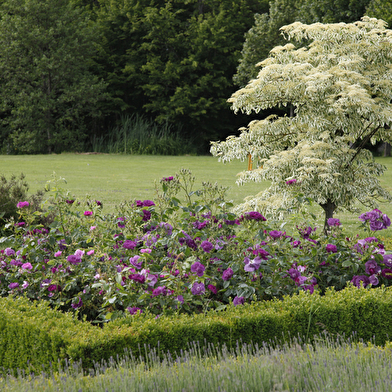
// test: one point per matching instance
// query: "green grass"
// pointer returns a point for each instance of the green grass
(115, 178)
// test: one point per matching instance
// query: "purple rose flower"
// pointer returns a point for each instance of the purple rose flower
(386, 220)
(227, 274)
(9, 252)
(207, 246)
(254, 215)
(333, 222)
(238, 301)
(74, 259)
(134, 261)
(387, 273)
(134, 310)
(22, 204)
(198, 288)
(294, 273)
(276, 234)
(70, 201)
(13, 285)
(161, 290)
(331, 248)
(137, 278)
(371, 267)
(152, 280)
(27, 266)
(148, 203)
(146, 215)
(128, 244)
(180, 299)
(198, 269)
(88, 213)
(373, 280)
(357, 279)
(252, 265)
(77, 305)
(387, 260)
(376, 225)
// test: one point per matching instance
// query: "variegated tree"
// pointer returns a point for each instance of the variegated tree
(339, 87)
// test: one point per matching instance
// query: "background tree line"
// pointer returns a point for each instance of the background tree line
(71, 70)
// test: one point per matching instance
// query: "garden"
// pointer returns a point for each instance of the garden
(186, 290)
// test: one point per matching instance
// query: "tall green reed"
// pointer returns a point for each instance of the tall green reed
(136, 134)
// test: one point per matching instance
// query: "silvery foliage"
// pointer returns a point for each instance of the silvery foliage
(340, 88)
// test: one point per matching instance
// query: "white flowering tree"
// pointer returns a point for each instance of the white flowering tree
(339, 88)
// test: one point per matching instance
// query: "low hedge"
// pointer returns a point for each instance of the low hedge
(35, 337)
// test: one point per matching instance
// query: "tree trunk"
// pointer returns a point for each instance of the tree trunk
(329, 209)
(387, 149)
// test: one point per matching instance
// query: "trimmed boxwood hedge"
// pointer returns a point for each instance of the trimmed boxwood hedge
(35, 337)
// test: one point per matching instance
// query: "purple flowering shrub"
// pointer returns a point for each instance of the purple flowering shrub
(160, 256)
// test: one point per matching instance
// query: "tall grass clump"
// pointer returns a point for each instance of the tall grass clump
(138, 135)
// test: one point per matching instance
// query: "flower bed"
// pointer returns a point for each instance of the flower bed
(163, 257)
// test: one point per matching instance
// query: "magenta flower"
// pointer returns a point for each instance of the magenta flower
(90, 252)
(275, 234)
(148, 203)
(58, 253)
(88, 213)
(227, 274)
(331, 248)
(198, 269)
(212, 288)
(25, 284)
(198, 288)
(167, 179)
(207, 246)
(27, 266)
(238, 301)
(70, 201)
(13, 285)
(137, 278)
(292, 181)
(147, 250)
(373, 280)
(23, 204)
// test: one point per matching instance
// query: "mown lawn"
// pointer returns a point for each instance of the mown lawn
(114, 178)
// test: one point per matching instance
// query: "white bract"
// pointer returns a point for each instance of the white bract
(340, 87)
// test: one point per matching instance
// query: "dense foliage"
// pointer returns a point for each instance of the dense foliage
(163, 257)
(171, 61)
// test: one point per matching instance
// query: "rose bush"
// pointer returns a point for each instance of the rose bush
(163, 257)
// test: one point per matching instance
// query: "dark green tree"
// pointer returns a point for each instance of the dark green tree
(265, 34)
(174, 60)
(381, 9)
(47, 89)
